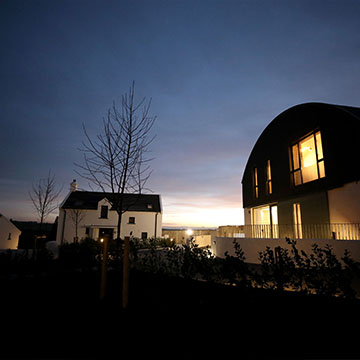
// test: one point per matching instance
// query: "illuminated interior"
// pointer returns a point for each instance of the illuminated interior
(268, 178)
(261, 216)
(256, 184)
(308, 159)
(297, 221)
(265, 221)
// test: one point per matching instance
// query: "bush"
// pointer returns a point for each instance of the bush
(234, 269)
(187, 261)
(81, 255)
(320, 272)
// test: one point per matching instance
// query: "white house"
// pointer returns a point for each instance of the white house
(89, 214)
(9, 234)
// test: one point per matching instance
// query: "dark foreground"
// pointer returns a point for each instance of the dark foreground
(60, 317)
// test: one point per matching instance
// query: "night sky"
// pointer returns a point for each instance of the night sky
(217, 72)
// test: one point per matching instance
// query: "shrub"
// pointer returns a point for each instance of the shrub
(81, 255)
(320, 272)
(234, 270)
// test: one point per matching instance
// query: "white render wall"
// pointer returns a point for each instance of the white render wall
(144, 222)
(9, 234)
(247, 216)
(252, 247)
(344, 204)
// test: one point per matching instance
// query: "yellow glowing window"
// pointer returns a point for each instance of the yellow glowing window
(264, 221)
(297, 221)
(307, 159)
(268, 178)
(256, 183)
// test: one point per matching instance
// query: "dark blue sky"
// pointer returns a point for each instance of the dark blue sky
(218, 72)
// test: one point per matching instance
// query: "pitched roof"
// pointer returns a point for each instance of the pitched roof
(133, 202)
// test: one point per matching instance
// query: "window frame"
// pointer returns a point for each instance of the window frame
(104, 212)
(132, 221)
(299, 169)
(268, 182)
(256, 182)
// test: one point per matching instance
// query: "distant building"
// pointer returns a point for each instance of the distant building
(9, 234)
(202, 237)
(232, 231)
(30, 230)
(302, 177)
(89, 214)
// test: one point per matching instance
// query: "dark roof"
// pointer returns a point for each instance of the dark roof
(132, 202)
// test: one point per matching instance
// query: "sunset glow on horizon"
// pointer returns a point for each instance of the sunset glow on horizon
(201, 214)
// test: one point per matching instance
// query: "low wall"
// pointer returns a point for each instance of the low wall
(252, 247)
(203, 240)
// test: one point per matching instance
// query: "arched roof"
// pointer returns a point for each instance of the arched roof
(340, 130)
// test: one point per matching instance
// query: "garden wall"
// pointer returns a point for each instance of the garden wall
(203, 240)
(252, 247)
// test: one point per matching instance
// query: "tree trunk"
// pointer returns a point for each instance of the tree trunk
(118, 239)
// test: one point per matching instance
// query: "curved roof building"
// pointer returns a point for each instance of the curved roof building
(304, 170)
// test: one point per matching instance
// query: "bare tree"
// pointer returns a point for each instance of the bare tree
(43, 196)
(116, 160)
(77, 216)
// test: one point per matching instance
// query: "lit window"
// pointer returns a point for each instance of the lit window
(268, 178)
(307, 160)
(264, 221)
(256, 183)
(297, 221)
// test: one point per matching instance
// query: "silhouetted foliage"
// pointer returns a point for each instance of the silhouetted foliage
(15, 264)
(319, 272)
(116, 160)
(43, 195)
(234, 269)
(81, 255)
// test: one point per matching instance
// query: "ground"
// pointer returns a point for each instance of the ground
(60, 316)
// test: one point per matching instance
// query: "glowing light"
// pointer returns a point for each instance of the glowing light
(306, 148)
(101, 240)
(189, 232)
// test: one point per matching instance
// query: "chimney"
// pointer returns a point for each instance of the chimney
(74, 186)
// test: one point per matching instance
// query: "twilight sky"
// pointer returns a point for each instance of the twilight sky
(217, 72)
